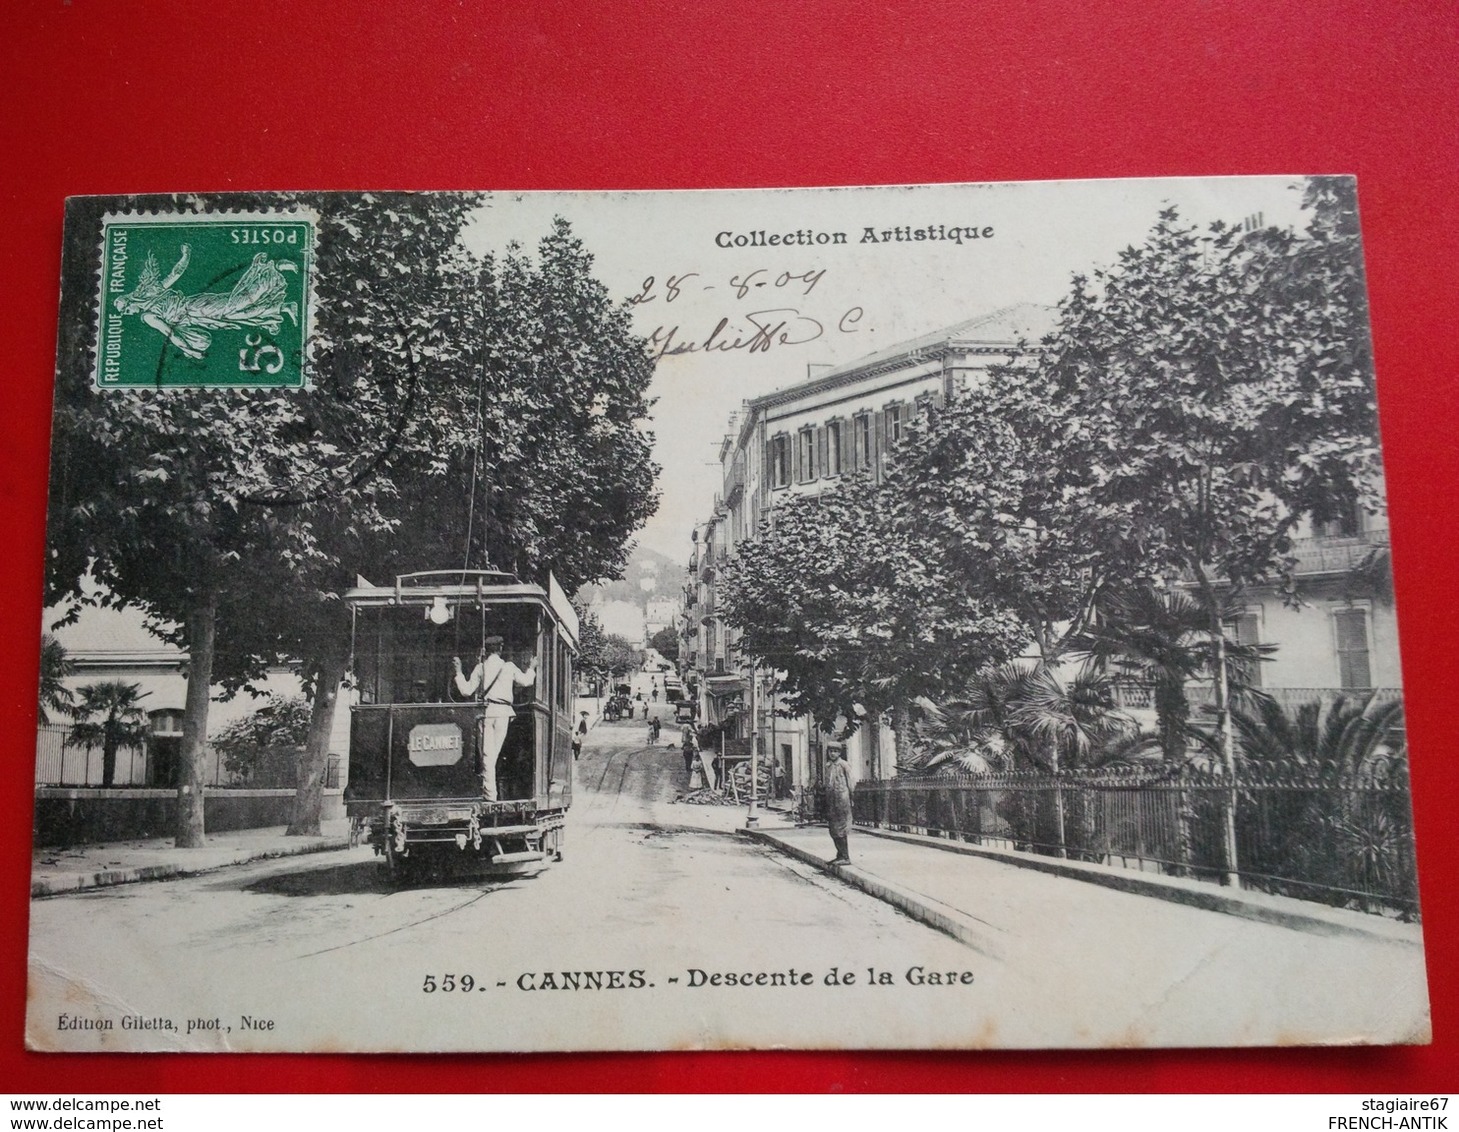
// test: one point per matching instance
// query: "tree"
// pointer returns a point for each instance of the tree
(1161, 637)
(590, 647)
(1345, 735)
(249, 744)
(55, 696)
(1320, 827)
(527, 451)
(841, 596)
(561, 462)
(620, 655)
(666, 643)
(980, 493)
(109, 716)
(1025, 715)
(1204, 395)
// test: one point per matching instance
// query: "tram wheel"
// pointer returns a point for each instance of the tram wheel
(401, 870)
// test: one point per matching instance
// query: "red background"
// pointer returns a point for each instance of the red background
(103, 96)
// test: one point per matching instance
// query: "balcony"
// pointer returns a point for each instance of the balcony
(1336, 554)
(1204, 695)
(734, 483)
(1136, 696)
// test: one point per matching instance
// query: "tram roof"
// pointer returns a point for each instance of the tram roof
(485, 586)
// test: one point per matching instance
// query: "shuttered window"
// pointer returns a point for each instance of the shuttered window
(779, 460)
(879, 444)
(862, 441)
(1245, 629)
(805, 455)
(892, 418)
(834, 451)
(1350, 627)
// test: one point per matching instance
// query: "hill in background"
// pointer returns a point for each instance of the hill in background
(650, 589)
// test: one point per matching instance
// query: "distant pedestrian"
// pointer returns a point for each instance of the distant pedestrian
(838, 804)
(653, 731)
(579, 733)
(690, 740)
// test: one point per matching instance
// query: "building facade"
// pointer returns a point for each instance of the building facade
(1333, 632)
(106, 645)
(805, 438)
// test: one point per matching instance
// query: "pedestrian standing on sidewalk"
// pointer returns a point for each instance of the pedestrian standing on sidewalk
(838, 804)
(690, 741)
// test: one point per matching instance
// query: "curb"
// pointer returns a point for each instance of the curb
(68, 883)
(961, 926)
(1260, 907)
(933, 913)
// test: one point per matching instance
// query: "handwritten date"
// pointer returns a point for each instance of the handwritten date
(740, 285)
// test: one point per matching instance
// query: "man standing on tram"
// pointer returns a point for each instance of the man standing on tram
(496, 677)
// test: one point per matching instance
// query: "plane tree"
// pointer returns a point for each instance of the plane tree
(1209, 391)
(860, 615)
(526, 451)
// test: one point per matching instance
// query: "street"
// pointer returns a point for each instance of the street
(662, 929)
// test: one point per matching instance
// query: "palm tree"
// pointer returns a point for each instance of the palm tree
(1020, 714)
(55, 667)
(1343, 735)
(109, 717)
(957, 734)
(1025, 715)
(1163, 638)
(1323, 830)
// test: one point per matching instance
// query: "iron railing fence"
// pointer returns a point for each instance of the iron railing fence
(1343, 840)
(59, 763)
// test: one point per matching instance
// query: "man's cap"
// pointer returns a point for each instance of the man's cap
(495, 639)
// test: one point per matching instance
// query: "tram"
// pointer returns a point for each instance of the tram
(416, 787)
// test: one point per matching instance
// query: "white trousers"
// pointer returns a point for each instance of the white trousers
(493, 735)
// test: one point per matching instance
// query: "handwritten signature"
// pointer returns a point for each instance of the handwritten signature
(779, 326)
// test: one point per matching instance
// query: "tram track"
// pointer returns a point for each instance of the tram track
(602, 795)
(399, 927)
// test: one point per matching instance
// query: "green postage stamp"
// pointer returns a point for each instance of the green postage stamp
(200, 300)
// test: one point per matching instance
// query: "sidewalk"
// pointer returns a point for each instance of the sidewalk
(945, 883)
(55, 871)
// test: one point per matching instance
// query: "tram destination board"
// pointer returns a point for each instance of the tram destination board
(942, 616)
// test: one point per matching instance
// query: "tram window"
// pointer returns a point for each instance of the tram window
(564, 676)
(401, 658)
(544, 662)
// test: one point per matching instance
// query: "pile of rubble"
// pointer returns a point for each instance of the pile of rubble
(706, 797)
(739, 781)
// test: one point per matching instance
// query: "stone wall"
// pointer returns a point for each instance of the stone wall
(66, 815)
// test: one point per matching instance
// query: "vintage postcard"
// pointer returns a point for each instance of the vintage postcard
(947, 616)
